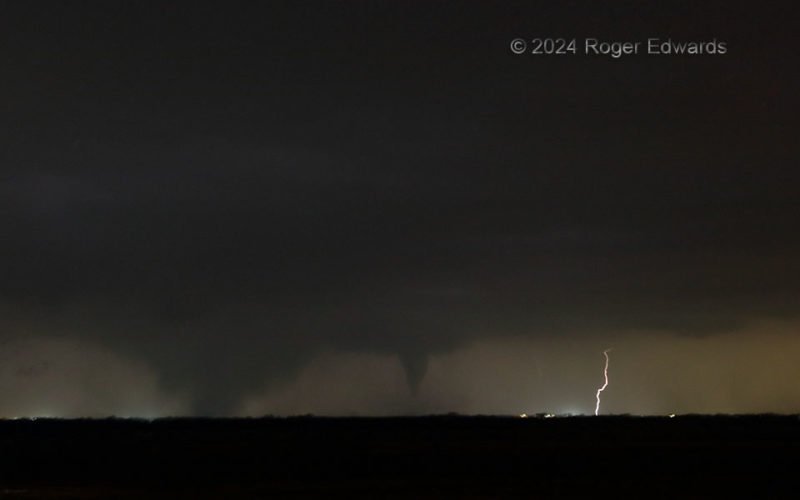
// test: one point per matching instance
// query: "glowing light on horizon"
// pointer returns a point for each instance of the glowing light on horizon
(605, 383)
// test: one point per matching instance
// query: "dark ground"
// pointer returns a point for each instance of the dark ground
(427, 457)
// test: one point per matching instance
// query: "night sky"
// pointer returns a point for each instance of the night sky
(377, 208)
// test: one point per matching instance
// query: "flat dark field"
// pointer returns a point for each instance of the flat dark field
(420, 457)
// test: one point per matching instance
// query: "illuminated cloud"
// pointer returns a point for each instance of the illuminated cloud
(226, 205)
(67, 378)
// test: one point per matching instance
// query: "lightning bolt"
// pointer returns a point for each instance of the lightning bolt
(605, 384)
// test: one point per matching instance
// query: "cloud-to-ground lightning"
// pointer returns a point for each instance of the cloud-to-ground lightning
(605, 383)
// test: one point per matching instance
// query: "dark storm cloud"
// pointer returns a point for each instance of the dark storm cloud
(226, 192)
